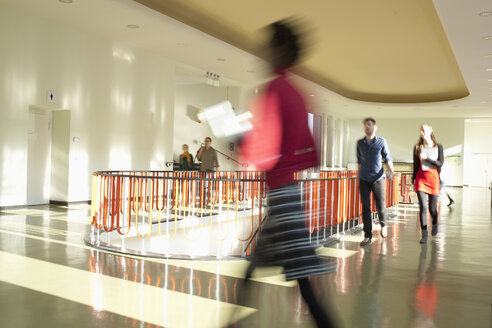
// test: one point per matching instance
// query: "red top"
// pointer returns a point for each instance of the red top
(297, 149)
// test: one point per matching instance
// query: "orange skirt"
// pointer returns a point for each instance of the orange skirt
(428, 181)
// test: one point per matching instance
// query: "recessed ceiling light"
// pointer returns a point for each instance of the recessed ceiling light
(488, 56)
(220, 59)
(490, 80)
(489, 69)
(133, 26)
(488, 37)
(485, 13)
(250, 71)
(483, 102)
(311, 95)
(65, 1)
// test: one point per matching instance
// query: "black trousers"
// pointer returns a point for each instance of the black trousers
(378, 188)
(427, 202)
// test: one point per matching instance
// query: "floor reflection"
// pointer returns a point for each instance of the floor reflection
(426, 292)
(367, 310)
(164, 275)
(395, 282)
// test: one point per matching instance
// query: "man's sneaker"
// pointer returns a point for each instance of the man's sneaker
(384, 231)
(434, 229)
(365, 242)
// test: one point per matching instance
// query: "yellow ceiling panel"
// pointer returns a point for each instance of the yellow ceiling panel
(389, 51)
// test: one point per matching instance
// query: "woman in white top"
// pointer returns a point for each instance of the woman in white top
(428, 157)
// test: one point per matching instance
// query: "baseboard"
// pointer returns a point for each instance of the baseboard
(58, 202)
(81, 202)
(15, 207)
(52, 202)
(63, 203)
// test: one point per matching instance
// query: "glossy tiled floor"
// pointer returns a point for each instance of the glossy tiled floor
(49, 278)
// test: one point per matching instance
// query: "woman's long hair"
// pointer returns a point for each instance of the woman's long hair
(422, 142)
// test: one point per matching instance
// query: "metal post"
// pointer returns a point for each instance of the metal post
(318, 212)
(332, 201)
(332, 239)
(325, 209)
(338, 207)
(311, 209)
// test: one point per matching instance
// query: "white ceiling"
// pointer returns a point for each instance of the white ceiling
(163, 35)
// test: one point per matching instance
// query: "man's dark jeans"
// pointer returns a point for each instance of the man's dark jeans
(378, 189)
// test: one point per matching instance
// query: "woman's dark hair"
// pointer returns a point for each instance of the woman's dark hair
(285, 40)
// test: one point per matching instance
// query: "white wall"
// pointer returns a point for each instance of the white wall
(402, 134)
(186, 131)
(478, 153)
(121, 101)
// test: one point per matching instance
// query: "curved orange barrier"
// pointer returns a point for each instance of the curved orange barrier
(121, 199)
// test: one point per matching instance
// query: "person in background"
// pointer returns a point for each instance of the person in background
(284, 239)
(186, 160)
(428, 157)
(372, 150)
(445, 193)
(208, 156)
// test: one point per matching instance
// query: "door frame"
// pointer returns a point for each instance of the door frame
(56, 161)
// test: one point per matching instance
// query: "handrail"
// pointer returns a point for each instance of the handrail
(229, 204)
(105, 173)
(230, 158)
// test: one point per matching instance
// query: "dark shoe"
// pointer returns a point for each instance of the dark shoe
(366, 241)
(424, 237)
(434, 229)
(451, 202)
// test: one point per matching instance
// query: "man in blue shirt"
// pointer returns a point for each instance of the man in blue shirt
(371, 152)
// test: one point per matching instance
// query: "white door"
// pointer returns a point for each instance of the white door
(478, 170)
(38, 158)
(489, 170)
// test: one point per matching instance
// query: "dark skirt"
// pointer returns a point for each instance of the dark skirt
(284, 238)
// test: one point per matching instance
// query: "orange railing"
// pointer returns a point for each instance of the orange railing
(407, 195)
(332, 202)
(227, 205)
(142, 203)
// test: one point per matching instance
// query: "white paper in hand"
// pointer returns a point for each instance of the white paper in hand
(223, 121)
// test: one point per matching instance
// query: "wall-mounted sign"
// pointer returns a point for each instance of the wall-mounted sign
(51, 96)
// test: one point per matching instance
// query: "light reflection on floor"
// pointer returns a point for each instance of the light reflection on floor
(56, 280)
